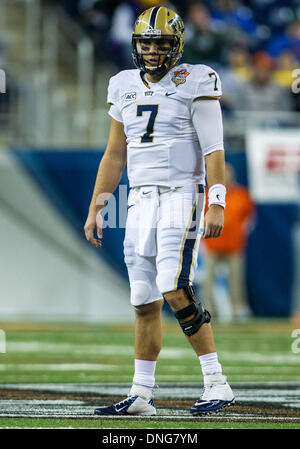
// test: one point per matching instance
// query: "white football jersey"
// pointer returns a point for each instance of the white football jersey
(162, 144)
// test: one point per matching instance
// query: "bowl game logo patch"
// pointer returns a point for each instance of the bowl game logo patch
(179, 77)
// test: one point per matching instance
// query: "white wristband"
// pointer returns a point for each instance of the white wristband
(216, 195)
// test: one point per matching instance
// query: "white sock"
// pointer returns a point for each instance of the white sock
(144, 373)
(210, 364)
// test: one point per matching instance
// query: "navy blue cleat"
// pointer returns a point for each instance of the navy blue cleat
(133, 405)
(216, 396)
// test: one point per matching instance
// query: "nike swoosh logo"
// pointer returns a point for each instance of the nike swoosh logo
(122, 408)
(209, 402)
(218, 197)
(130, 206)
(171, 93)
(145, 193)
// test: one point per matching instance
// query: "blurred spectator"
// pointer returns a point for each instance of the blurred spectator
(234, 19)
(285, 64)
(203, 44)
(240, 63)
(229, 248)
(261, 93)
(288, 40)
(233, 76)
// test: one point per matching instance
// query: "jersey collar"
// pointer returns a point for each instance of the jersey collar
(143, 78)
(161, 83)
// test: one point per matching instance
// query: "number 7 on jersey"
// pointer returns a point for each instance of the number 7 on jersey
(153, 109)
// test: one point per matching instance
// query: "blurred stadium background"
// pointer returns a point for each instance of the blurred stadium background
(57, 57)
(64, 305)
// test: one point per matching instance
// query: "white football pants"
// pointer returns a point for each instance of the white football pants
(163, 231)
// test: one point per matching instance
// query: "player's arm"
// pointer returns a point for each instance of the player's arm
(207, 120)
(108, 177)
(215, 176)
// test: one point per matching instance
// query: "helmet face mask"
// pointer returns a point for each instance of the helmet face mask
(163, 27)
(166, 58)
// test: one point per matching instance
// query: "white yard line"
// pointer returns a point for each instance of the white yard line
(58, 367)
(121, 350)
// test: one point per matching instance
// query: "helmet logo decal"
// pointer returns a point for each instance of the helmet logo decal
(179, 77)
(177, 24)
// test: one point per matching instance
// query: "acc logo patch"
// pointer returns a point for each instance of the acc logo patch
(179, 77)
(130, 96)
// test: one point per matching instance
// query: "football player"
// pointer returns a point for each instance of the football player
(166, 123)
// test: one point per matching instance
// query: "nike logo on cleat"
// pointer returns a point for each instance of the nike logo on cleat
(210, 403)
(119, 409)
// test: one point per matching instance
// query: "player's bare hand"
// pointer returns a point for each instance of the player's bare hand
(213, 221)
(94, 221)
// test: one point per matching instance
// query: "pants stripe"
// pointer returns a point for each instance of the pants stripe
(187, 252)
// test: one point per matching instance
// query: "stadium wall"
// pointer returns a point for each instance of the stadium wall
(47, 271)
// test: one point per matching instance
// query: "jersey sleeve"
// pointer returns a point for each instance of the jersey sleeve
(112, 91)
(209, 84)
(113, 96)
(207, 121)
(115, 113)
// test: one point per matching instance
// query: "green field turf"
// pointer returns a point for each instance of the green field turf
(112, 424)
(257, 351)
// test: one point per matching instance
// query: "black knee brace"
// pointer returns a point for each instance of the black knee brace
(200, 316)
